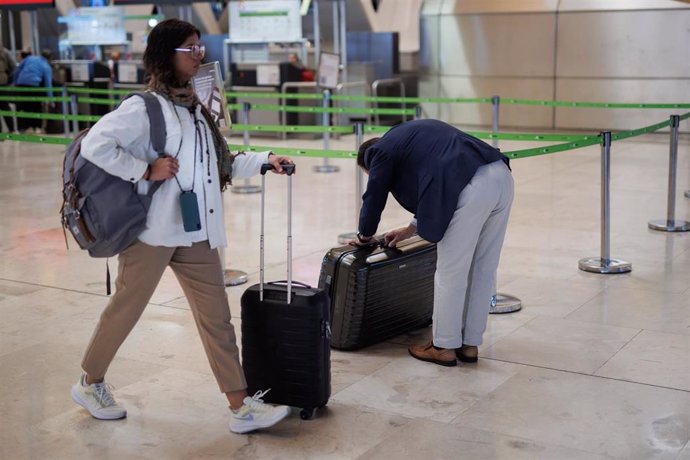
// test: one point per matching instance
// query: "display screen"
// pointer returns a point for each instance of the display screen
(26, 4)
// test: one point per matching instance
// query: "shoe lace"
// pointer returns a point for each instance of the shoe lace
(256, 403)
(104, 394)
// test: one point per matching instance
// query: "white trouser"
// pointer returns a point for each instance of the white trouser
(468, 258)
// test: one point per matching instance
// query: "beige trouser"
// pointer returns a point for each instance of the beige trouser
(199, 272)
(468, 257)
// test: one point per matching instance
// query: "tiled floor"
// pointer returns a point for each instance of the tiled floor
(593, 367)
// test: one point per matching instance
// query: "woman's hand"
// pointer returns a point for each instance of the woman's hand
(164, 168)
(277, 161)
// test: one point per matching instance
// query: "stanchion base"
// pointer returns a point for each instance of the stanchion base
(669, 225)
(326, 168)
(345, 238)
(504, 303)
(245, 189)
(687, 194)
(599, 265)
(234, 277)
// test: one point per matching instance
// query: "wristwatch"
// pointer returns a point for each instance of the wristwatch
(361, 240)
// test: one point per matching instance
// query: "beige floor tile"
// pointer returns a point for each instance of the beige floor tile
(685, 453)
(12, 343)
(655, 358)
(561, 344)
(497, 327)
(423, 390)
(36, 383)
(178, 415)
(169, 337)
(622, 420)
(14, 289)
(349, 367)
(556, 298)
(46, 312)
(637, 308)
(385, 404)
(441, 441)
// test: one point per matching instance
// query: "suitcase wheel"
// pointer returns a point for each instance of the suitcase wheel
(306, 414)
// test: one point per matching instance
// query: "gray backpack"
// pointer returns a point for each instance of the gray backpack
(104, 213)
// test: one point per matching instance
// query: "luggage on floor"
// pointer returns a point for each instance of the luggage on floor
(286, 334)
(378, 293)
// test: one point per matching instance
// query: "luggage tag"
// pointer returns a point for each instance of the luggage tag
(190, 211)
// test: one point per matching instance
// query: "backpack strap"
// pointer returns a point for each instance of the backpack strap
(157, 128)
(156, 120)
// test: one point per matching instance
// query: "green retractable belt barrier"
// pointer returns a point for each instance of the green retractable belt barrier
(99, 101)
(49, 116)
(33, 99)
(575, 141)
(293, 129)
(36, 139)
(107, 92)
(28, 89)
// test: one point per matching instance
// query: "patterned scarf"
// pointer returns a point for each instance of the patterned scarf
(186, 97)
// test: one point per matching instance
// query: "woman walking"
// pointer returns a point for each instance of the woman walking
(120, 144)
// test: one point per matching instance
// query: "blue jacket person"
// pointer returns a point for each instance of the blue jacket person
(460, 191)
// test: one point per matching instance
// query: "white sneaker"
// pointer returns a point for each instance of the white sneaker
(255, 414)
(97, 399)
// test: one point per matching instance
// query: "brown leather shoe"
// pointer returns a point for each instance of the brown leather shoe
(467, 353)
(427, 352)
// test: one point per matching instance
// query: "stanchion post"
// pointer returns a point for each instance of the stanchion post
(495, 106)
(73, 108)
(504, 303)
(13, 47)
(670, 224)
(687, 194)
(65, 123)
(247, 187)
(233, 277)
(343, 238)
(605, 264)
(326, 121)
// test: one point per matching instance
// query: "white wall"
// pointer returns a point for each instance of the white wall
(582, 50)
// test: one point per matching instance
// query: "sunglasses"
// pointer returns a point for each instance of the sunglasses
(197, 51)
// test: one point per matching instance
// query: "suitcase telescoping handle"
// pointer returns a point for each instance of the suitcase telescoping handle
(289, 170)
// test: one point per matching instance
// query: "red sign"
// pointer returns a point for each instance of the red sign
(27, 4)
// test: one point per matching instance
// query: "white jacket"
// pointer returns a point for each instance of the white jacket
(120, 144)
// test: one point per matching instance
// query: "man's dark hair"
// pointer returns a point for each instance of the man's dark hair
(160, 49)
(362, 151)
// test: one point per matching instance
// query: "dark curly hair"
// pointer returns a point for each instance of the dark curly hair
(361, 154)
(160, 49)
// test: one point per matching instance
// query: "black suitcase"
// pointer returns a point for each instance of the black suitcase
(378, 293)
(286, 335)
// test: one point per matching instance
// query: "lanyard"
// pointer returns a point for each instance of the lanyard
(198, 144)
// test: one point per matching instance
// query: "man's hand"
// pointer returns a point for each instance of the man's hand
(277, 161)
(393, 237)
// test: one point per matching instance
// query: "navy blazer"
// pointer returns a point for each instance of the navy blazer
(425, 164)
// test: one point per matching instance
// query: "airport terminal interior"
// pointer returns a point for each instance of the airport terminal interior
(578, 365)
